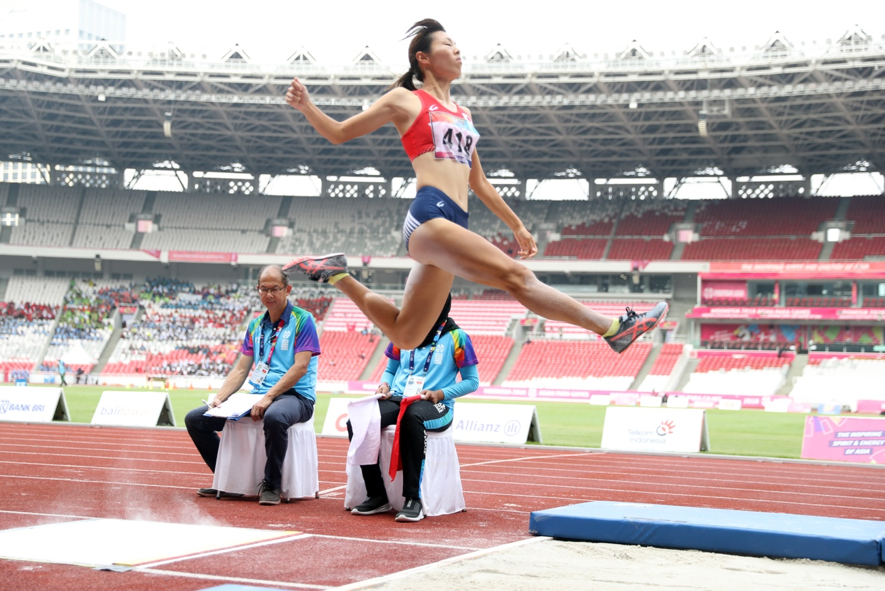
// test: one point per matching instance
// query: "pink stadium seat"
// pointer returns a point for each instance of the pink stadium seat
(859, 247)
(868, 214)
(344, 355)
(638, 249)
(576, 359)
(786, 216)
(738, 361)
(752, 249)
(655, 223)
(580, 248)
(588, 229)
(667, 359)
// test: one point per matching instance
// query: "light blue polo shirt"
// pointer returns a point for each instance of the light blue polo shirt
(298, 334)
(453, 351)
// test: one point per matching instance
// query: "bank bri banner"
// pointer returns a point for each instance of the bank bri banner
(844, 439)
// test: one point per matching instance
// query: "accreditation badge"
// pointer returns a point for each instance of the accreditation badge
(413, 385)
(259, 373)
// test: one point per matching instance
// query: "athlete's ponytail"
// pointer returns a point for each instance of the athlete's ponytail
(422, 36)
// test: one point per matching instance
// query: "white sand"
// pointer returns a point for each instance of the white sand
(554, 564)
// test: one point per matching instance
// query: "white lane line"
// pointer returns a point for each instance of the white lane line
(262, 582)
(435, 565)
(597, 497)
(643, 487)
(105, 482)
(407, 543)
(527, 458)
(48, 514)
(225, 550)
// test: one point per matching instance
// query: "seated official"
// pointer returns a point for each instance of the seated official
(431, 370)
(279, 359)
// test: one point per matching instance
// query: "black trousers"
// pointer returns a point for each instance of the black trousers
(420, 417)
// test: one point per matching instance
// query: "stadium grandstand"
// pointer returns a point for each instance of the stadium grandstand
(698, 178)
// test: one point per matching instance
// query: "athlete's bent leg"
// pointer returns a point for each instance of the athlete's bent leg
(450, 247)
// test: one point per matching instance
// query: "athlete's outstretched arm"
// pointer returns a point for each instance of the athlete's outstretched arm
(493, 200)
(388, 108)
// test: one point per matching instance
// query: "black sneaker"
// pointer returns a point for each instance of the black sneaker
(318, 268)
(412, 511)
(211, 492)
(268, 495)
(371, 506)
(635, 325)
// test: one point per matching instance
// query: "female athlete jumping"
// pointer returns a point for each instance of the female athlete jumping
(439, 137)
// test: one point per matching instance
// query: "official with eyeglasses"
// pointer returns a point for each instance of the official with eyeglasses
(279, 358)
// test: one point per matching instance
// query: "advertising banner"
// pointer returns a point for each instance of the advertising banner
(596, 397)
(133, 409)
(782, 270)
(336, 417)
(181, 256)
(33, 405)
(655, 430)
(496, 423)
(763, 313)
(753, 333)
(473, 423)
(715, 290)
(844, 439)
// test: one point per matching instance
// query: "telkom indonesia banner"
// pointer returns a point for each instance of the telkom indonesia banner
(654, 429)
(844, 439)
(763, 313)
(181, 256)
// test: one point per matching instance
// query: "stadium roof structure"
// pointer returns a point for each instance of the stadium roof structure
(819, 109)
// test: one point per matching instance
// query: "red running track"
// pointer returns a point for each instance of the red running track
(52, 473)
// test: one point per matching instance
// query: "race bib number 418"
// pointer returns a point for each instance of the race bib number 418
(454, 138)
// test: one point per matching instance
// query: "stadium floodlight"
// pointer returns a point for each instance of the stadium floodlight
(702, 125)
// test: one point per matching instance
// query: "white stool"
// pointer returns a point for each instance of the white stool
(441, 491)
(241, 459)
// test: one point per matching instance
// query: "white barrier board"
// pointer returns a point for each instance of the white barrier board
(133, 409)
(336, 417)
(496, 423)
(475, 423)
(655, 429)
(33, 405)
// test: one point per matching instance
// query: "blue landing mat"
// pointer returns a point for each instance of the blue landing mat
(750, 533)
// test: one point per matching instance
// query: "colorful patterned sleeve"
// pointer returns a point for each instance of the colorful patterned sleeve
(463, 350)
(306, 338)
(248, 347)
(392, 352)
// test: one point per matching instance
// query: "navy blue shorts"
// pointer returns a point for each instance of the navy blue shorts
(431, 203)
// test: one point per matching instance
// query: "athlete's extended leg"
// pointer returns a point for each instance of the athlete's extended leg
(448, 246)
(444, 249)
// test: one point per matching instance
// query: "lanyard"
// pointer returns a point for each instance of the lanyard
(273, 342)
(429, 355)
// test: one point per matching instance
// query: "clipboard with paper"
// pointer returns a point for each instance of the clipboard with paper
(235, 407)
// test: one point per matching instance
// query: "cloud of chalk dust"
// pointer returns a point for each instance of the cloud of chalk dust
(170, 505)
(177, 503)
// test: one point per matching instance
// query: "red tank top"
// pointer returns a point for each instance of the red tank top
(448, 134)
